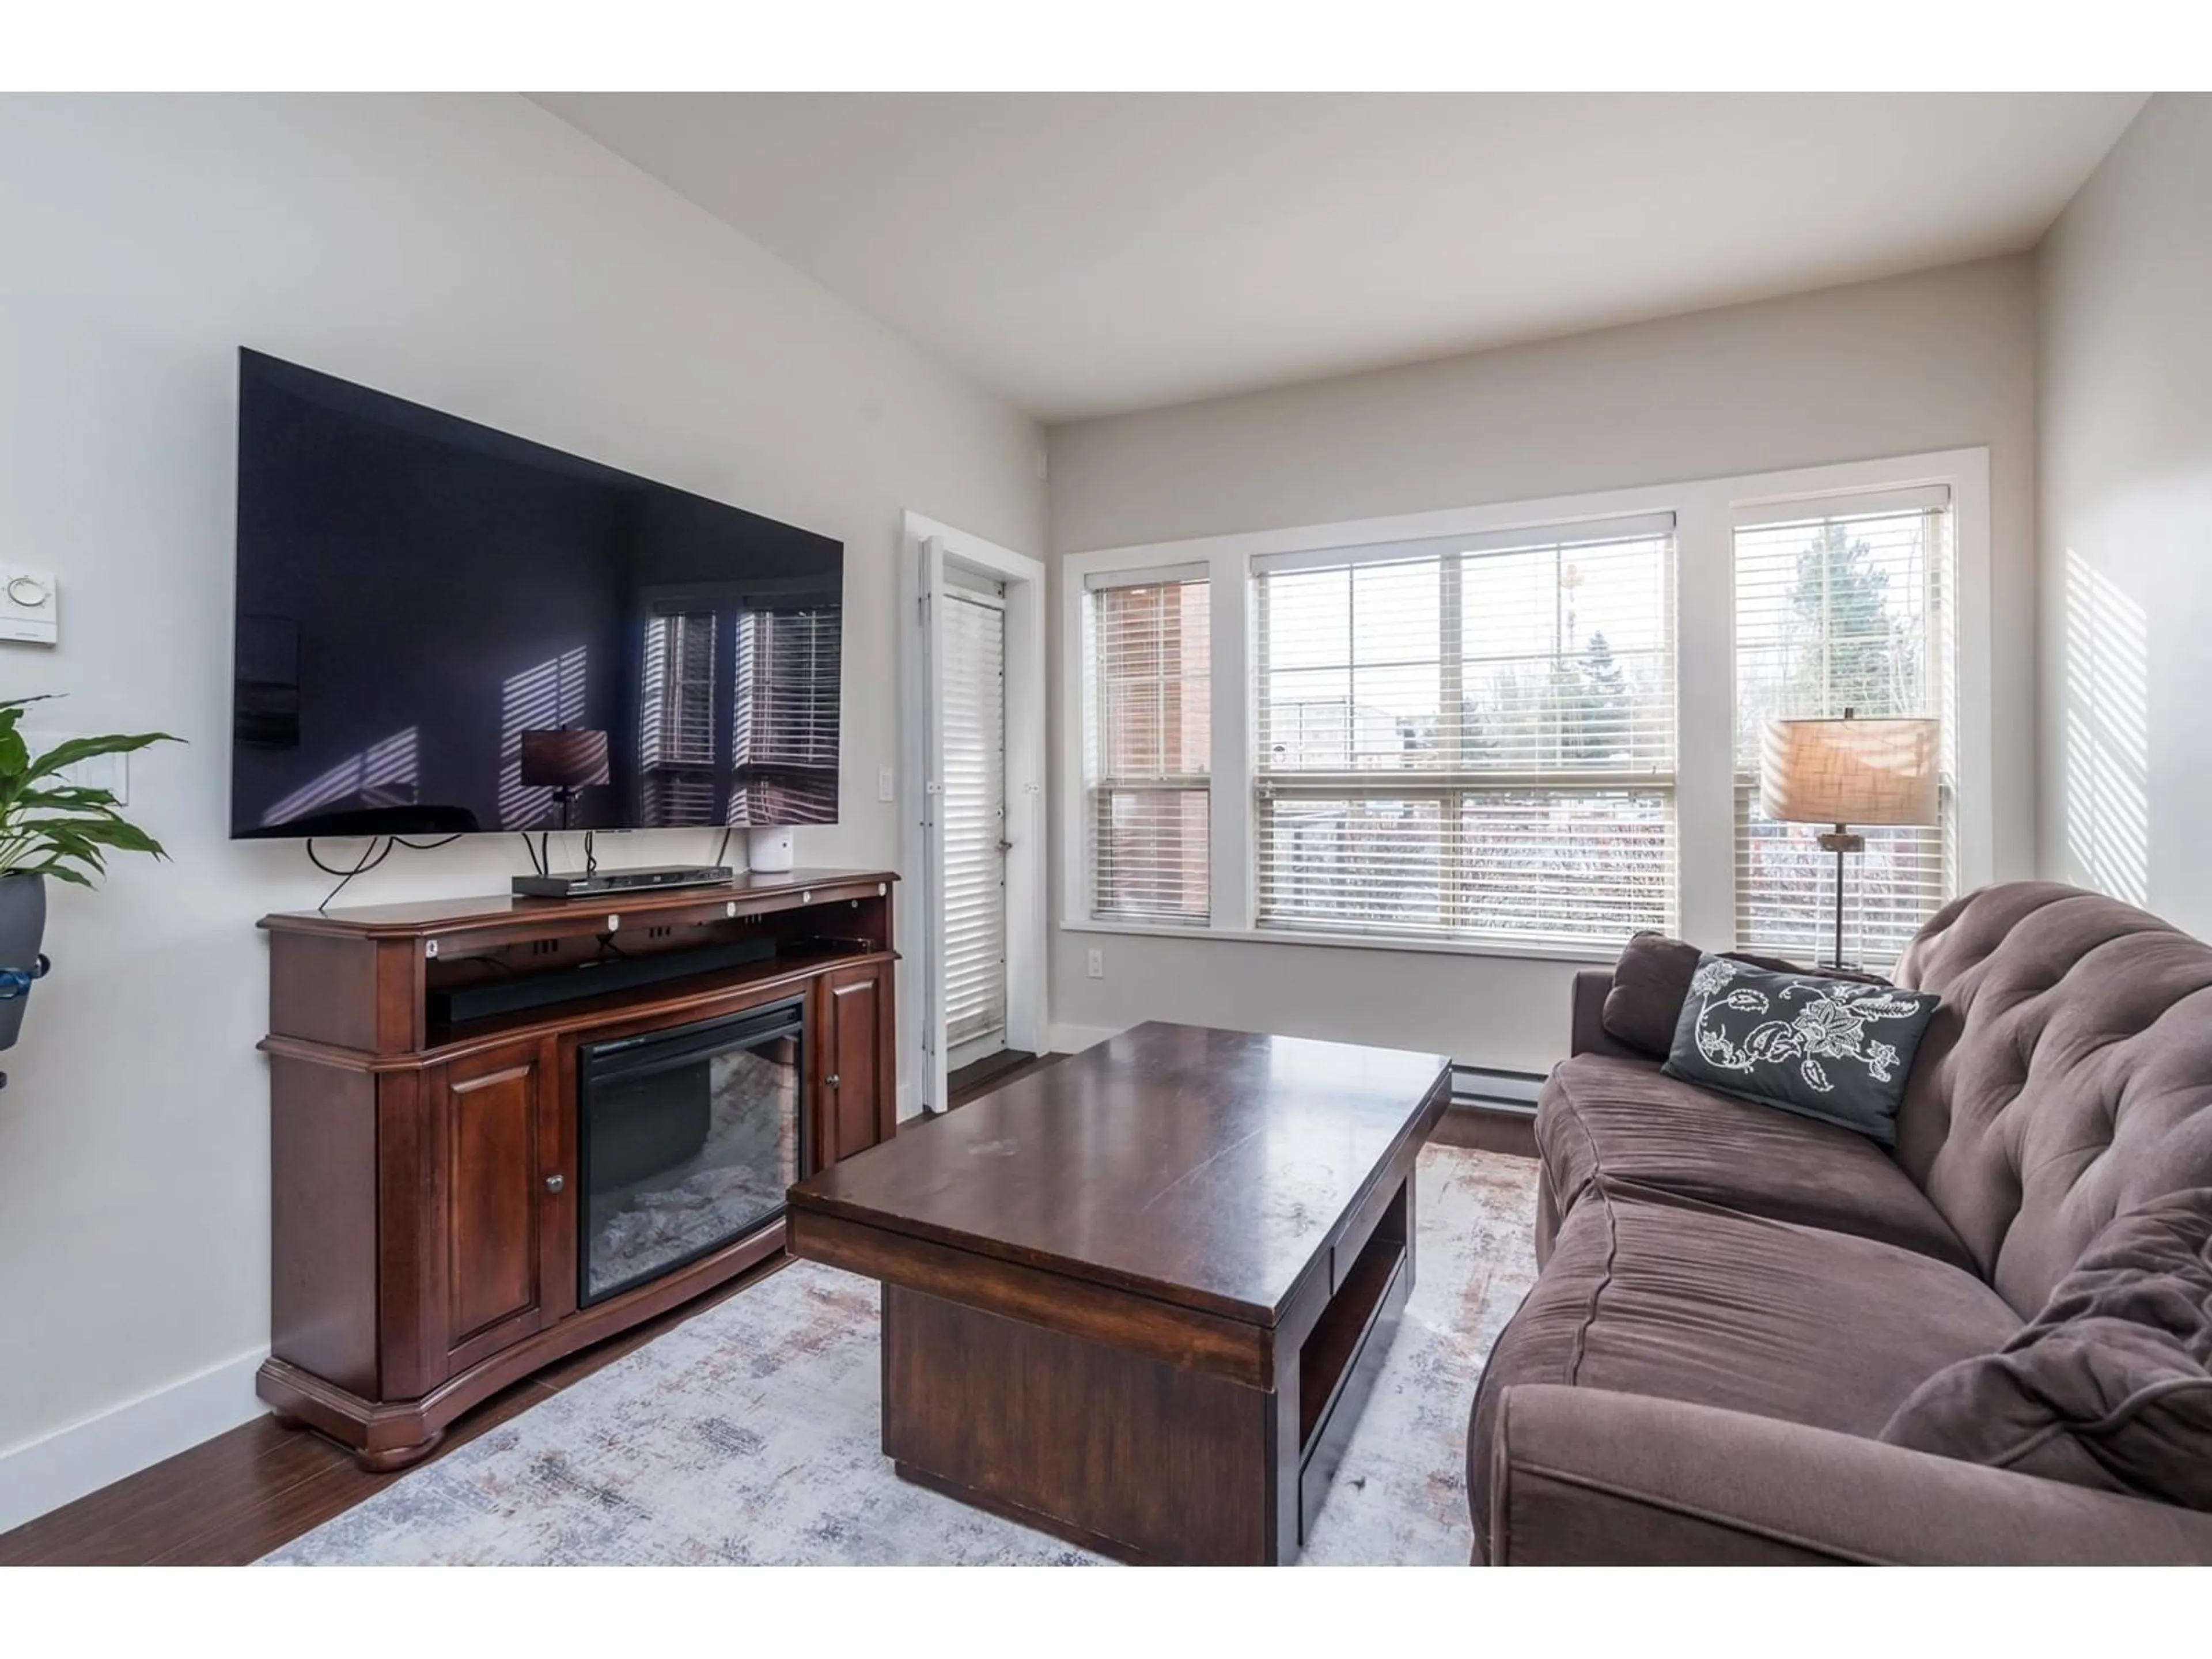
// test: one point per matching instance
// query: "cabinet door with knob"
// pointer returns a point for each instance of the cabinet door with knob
(859, 1086)
(495, 1123)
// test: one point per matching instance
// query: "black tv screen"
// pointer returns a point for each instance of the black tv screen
(445, 629)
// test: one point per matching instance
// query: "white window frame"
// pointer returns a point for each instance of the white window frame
(1705, 515)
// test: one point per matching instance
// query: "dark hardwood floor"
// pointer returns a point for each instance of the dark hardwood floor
(232, 1499)
(1006, 1067)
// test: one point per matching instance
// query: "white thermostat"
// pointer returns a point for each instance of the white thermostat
(30, 606)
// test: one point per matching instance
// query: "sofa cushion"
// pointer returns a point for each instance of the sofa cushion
(1651, 981)
(1648, 983)
(2067, 1078)
(1619, 1119)
(1800, 1043)
(1651, 1295)
(2111, 1385)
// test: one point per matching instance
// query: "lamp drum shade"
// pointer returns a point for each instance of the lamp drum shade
(563, 760)
(1849, 771)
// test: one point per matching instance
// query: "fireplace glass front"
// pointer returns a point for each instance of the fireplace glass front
(688, 1139)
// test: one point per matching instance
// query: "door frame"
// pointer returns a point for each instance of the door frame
(929, 548)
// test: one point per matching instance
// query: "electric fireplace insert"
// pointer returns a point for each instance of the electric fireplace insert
(687, 1140)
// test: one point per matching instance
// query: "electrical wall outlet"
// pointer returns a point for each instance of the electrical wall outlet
(1095, 964)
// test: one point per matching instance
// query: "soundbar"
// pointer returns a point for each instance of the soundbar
(457, 1005)
(599, 884)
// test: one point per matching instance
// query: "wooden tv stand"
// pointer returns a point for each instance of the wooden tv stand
(424, 1218)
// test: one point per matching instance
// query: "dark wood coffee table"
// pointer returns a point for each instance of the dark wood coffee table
(1137, 1299)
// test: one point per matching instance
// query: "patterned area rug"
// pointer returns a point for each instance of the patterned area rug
(749, 1434)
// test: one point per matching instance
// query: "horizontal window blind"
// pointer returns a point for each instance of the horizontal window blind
(1470, 740)
(1851, 609)
(1147, 656)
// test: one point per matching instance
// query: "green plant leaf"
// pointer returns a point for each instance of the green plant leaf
(60, 872)
(56, 828)
(69, 754)
(68, 845)
(102, 831)
(71, 796)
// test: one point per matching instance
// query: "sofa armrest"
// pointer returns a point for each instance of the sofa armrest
(1586, 1034)
(1584, 1477)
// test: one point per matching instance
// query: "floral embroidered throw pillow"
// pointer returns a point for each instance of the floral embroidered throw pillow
(1828, 1048)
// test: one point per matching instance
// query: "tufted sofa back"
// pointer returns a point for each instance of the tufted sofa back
(2067, 1078)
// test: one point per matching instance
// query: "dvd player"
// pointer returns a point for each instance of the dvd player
(598, 883)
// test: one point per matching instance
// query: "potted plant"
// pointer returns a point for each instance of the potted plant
(51, 827)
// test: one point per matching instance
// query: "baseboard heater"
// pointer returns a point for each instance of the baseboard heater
(1497, 1090)
(458, 1005)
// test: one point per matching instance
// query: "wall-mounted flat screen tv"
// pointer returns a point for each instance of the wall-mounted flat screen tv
(444, 628)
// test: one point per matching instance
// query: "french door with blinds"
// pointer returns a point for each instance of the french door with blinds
(972, 815)
(1468, 739)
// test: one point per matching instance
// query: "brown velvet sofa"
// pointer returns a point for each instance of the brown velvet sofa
(1733, 1302)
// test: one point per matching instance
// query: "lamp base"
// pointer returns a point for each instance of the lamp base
(1840, 841)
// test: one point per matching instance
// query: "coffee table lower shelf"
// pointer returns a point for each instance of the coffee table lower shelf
(1105, 1437)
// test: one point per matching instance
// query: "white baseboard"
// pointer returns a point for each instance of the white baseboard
(59, 1469)
(1074, 1039)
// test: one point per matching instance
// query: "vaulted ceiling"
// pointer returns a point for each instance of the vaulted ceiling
(1083, 254)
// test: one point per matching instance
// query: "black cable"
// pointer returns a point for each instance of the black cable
(370, 857)
(723, 851)
(530, 848)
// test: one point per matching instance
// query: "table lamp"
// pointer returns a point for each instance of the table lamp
(1845, 772)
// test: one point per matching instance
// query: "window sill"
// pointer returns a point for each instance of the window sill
(1586, 954)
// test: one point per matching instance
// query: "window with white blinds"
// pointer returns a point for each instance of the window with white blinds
(1850, 608)
(1468, 739)
(1148, 726)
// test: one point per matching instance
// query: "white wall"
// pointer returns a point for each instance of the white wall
(1937, 361)
(473, 254)
(2124, 470)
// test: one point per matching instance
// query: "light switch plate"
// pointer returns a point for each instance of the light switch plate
(884, 789)
(30, 605)
(108, 772)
